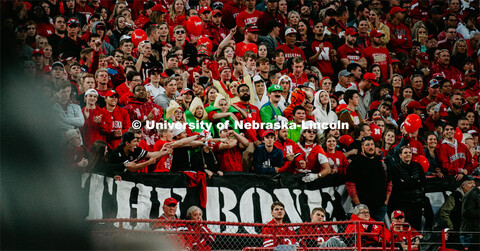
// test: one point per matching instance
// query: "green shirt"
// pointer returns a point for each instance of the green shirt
(267, 113)
(294, 134)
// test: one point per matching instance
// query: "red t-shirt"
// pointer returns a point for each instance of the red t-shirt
(339, 161)
(352, 54)
(291, 52)
(92, 131)
(324, 62)
(379, 56)
(244, 18)
(164, 164)
(116, 120)
(230, 159)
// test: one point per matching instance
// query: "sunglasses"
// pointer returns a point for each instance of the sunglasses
(311, 131)
(178, 32)
(74, 25)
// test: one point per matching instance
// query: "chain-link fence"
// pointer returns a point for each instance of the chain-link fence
(208, 235)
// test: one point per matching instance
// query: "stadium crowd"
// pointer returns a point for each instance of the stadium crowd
(112, 68)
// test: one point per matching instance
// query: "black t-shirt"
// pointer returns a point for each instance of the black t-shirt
(118, 160)
(181, 159)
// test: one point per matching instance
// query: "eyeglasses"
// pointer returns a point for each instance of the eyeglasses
(178, 32)
(364, 212)
(311, 131)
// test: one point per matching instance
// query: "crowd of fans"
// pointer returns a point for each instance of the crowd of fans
(107, 65)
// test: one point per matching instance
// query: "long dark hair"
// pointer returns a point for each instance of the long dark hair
(96, 156)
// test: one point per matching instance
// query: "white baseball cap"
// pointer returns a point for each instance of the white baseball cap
(257, 78)
(290, 31)
(91, 91)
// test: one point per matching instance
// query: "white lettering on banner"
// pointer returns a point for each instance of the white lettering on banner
(229, 203)
(143, 206)
(124, 189)
(95, 196)
(331, 192)
(313, 199)
(246, 207)
(283, 195)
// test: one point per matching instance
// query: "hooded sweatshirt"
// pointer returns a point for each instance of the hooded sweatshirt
(264, 99)
(454, 157)
(323, 115)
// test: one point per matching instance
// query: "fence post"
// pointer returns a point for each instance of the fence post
(409, 239)
(443, 238)
(384, 241)
(358, 235)
(275, 235)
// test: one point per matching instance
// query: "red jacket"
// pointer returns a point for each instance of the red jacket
(253, 117)
(400, 38)
(116, 120)
(455, 157)
(377, 229)
(314, 156)
(200, 239)
(274, 231)
(448, 72)
(316, 233)
(92, 131)
(288, 146)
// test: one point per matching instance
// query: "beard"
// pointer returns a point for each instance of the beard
(370, 155)
(456, 106)
(245, 98)
(376, 44)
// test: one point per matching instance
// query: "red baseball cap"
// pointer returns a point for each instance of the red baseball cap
(371, 77)
(395, 10)
(414, 105)
(423, 57)
(38, 51)
(186, 90)
(267, 132)
(459, 85)
(351, 32)
(438, 75)
(252, 29)
(111, 93)
(397, 214)
(203, 9)
(159, 7)
(395, 60)
(216, 11)
(170, 201)
(416, 13)
(376, 33)
(223, 68)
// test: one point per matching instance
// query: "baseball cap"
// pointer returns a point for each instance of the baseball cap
(433, 83)
(274, 88)
(111, 93)
(395, 10)
(371, 77)
(257, 78)
(472, 132)
(438, 76)
(344, 73)
(38, 51)
(155, 69)
(170, 201)
(125, 37)
(441, 109)
(351, 32)
(395, 60)
(290, 31)
(215, 12)
(91, 91)
(330, 12)
(204, 9)
(148, 5)
(252, 29)
(159, 7)
(416, 13)
(217, 5)
(268, 132)
(459, 85)
(432, 37)
(376, 33)
(397, 214)
(307, 125)
(57, 63)
(423, 57)
(72, 21)
(186, 90)
(414, 105)
(223, 68)
(308, 85)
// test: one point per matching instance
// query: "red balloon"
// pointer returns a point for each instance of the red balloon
(345, 140)
(458, 135)
(138, 36)
(207, 42)
(376, 132)
(194, 25)
(412, 123)
(249, 47)
(423, 161)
